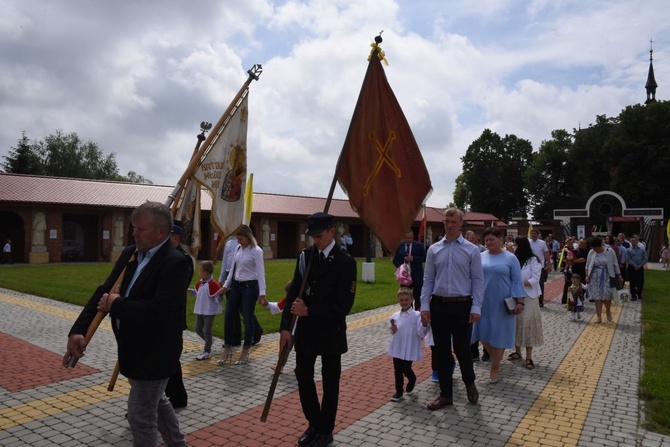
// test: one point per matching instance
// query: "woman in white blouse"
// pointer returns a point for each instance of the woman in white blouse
(245, 283)
(528, 323)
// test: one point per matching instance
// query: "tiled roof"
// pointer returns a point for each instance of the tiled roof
(68, 191)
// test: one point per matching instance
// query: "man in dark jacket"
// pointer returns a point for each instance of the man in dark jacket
(415, 253)
(147, 312)
(321, 328)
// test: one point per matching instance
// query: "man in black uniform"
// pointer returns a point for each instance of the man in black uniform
(321, 328)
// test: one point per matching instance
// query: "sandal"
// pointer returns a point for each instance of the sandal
(530, 364)
(514, 356)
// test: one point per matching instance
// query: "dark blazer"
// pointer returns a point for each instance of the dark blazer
(329, 296)
(418, 258)
(148, 322)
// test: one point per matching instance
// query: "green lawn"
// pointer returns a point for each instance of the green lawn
(655, 382)
(74, 283)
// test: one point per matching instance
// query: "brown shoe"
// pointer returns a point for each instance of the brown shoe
(439, 403)
(473, 394)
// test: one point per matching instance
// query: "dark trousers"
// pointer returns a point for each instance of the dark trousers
(417, 284)
(236, 325)
(636, 278)
(175, 390)
(451, 320)
(543, 279)
(241, 296)
(401, 369)
(320, 416)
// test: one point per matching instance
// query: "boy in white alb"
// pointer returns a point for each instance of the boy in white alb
(405, 346)
(207, 306)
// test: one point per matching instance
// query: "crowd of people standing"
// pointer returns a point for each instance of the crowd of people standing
(467, 294)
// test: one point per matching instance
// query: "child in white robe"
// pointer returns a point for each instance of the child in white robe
(405, 346)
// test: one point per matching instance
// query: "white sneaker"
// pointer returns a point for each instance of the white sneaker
(580, 317)
(203, 356)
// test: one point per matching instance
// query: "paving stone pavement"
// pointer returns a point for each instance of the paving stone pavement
(583, 391)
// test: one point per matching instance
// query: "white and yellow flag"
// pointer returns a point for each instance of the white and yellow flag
(223, 171)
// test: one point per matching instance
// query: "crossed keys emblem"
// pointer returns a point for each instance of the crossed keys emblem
(384, 158)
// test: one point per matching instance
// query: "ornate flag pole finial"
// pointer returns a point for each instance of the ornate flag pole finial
(377, 49)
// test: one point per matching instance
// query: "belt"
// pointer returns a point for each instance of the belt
(245, 283)
(451, 299)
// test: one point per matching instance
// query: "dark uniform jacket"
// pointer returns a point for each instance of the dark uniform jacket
(329, 296)
(148, 322)
(418, 252)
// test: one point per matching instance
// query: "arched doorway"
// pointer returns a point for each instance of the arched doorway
(12, 227)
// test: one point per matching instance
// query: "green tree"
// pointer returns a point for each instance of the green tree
(639, 151)
(551, 178)
(23, 159)
(65, 155)
(492, 178)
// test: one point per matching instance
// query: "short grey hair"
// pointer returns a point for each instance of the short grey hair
(158, 213)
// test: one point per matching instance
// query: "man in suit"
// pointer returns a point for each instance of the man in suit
(321, 328)
(415, 253)
(147, 312)
(175, 389)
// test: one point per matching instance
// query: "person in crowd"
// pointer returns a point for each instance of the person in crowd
(623, 241)
(7, 252)
(175, 389)
(602, 269)
(553, 246)
(576, 296)
(451, 300)
(502, 279)
(229, 250)
(405, 346)
(509, 243)
(320, 325)
(636, 258)
(413, 252)
(528, 331)
(578, 263)
(147, 311)
(540, 250)
(346, 240)
(246, 282)
(472, 237)
(207, 306)
(665, 256)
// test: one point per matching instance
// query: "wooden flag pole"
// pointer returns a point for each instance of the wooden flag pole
(254, 73)
(286, 349)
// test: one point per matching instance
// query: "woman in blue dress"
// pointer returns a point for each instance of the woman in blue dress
(502, 279)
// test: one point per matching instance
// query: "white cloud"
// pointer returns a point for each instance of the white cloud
(138, 79)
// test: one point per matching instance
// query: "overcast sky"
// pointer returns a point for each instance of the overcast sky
(138, 77)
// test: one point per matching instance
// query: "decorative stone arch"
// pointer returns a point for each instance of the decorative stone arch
(605, 193)
(649, 216)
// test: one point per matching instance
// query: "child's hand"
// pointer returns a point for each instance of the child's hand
(394, 328)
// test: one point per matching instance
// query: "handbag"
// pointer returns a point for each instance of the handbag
(510, 305)
(615, 283)
(403, 274)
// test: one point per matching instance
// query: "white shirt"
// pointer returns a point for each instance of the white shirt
(539, 248)
(248, 266)
(228, 255)
(7, 248)
(406, 342)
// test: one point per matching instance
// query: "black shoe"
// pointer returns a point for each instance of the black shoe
(257, 337)
(177, 405)
(322, 440)
(486, 357)
(396, 397)
(307, 437)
